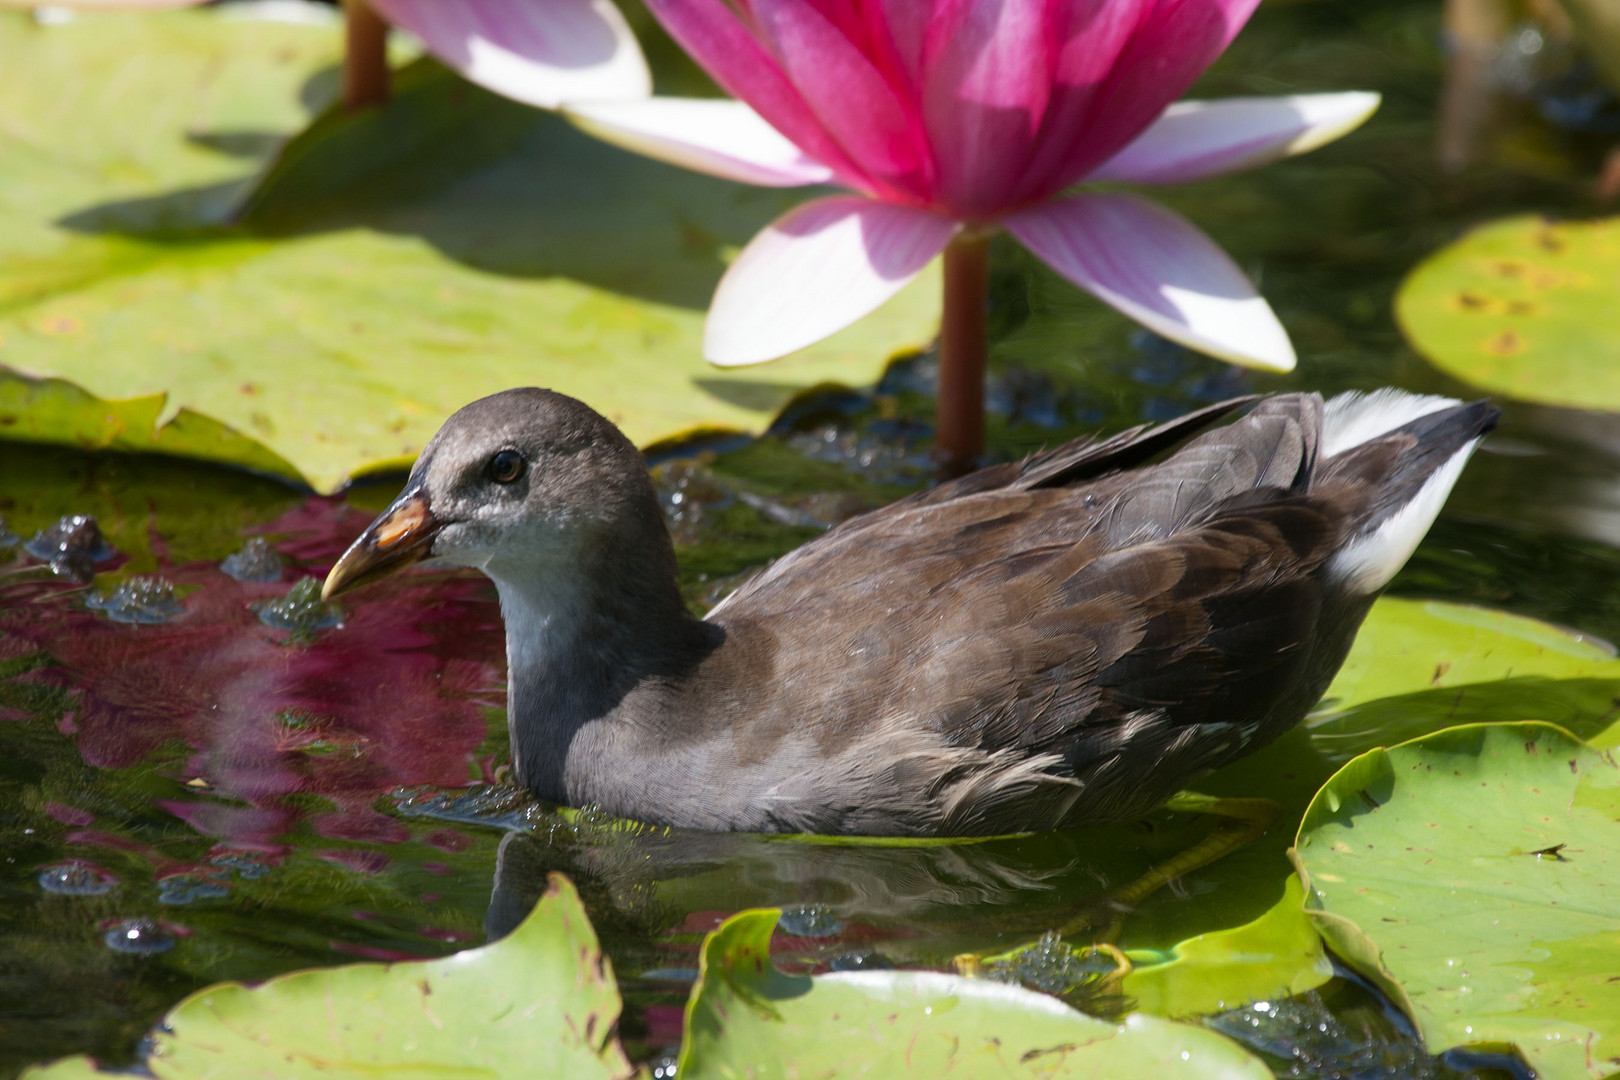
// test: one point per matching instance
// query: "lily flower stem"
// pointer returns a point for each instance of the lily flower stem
(959, 427)
(365, 57)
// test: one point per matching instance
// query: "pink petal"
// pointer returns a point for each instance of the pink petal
(987, 85)
(1194, 140)
(717, 136)
(540, 52)
(814, 271)
(1121, 62)
(1161, 270)
(852, 100)
(713, 35)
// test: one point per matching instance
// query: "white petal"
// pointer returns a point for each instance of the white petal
(1193, 140)
(61, 10)
(1161, 270)
(717, 136)
(539, 52)
(815, 270)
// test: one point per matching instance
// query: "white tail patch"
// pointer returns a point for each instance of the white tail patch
(1354, 418)
(1366, 564)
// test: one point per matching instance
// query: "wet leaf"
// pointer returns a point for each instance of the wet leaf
(393, 266)
(745, 1014)
(541, 1002)
(1277, 954)
(1417, 666)
(1524, 308)
(1473, 874)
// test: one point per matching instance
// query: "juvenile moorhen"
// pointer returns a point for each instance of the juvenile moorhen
(1065, 640)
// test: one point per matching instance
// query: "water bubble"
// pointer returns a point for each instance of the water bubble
(1054, 967)
(690, 495)
(72, 547)
(189, 888)
(809, 920)
(861, 961)
(144, 600)
(254, 562)
(76, 879)
(663, 1068)
(301, 612)
(246, 866)
(139, 937)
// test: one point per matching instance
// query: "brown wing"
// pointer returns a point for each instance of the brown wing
(1051, 615)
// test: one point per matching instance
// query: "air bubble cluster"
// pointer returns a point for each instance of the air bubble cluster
(72, 547)
(76, 878)
(810, 921)
(189, 888)
(1054, 967)
(139, 937)
(148, 601)
(256, 561)
(302, 612)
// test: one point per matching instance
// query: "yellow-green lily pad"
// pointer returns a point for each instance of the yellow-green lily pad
(1417, 666)
(1524, 308)
(746, 1018)
(1475, 875)
(540, 1002)
(332, 329)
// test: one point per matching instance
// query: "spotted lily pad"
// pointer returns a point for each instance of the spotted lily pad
(1417, 666)
(540, 1002)
(746, 1018)
(1474, 874)
(390, 267)
(1524, 308)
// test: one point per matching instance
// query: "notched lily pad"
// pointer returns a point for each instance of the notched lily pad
(1524, 308)
(1474, 875)
(451, 232)
(745, 1013)
(541, 1002)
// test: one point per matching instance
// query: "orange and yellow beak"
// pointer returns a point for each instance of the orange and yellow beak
(403, 534)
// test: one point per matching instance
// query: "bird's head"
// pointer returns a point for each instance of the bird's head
(520, 483)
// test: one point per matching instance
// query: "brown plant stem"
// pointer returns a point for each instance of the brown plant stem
(959, 427)
(365, 57)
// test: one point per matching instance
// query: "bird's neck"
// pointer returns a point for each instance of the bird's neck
(585, 636)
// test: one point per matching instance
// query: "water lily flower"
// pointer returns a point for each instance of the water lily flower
(539, 52)
(951, 120)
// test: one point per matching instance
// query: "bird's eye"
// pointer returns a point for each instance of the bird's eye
(506, 466)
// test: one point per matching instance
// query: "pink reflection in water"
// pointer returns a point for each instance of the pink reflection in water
(392, 697)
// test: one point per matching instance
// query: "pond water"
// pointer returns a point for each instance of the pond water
(206, 775)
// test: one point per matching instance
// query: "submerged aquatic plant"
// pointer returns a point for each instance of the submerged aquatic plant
(951, 120)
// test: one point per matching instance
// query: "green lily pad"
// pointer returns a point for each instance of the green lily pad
(391, 267)
(746, 1018)
(1421, 665)
(1474, 874)
(1278, 953)
(540, 1002)
(1417, 666)
(1524, 308)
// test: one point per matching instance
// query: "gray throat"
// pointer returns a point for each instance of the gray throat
(593, 666)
